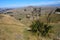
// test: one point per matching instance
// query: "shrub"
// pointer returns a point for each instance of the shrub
(19, 18)
(40, 28)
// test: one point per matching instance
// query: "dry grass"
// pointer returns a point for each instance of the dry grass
(10, 29)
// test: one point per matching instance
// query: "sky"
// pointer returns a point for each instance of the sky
(23, 3)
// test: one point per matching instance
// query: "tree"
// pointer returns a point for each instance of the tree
(40, 28)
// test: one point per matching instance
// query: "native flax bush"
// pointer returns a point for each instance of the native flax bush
(40, 28)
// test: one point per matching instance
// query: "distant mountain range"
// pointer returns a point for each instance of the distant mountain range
(54, 5)
(28, 7)
(5, 9)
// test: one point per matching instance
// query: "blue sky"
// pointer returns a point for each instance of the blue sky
(22, 3)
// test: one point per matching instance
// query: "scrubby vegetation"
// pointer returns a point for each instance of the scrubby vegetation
(40, 28)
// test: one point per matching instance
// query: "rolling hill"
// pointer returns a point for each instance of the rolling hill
(10, 28)
(13, 23)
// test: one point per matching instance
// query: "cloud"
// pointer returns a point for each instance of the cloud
(46, 3)
(36, 4)
(41, 3)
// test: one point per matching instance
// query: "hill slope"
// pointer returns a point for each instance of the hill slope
(10, 29)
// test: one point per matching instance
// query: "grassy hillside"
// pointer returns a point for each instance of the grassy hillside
(10, 28)
(22, 12)
(55, 17)
(15, 27)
